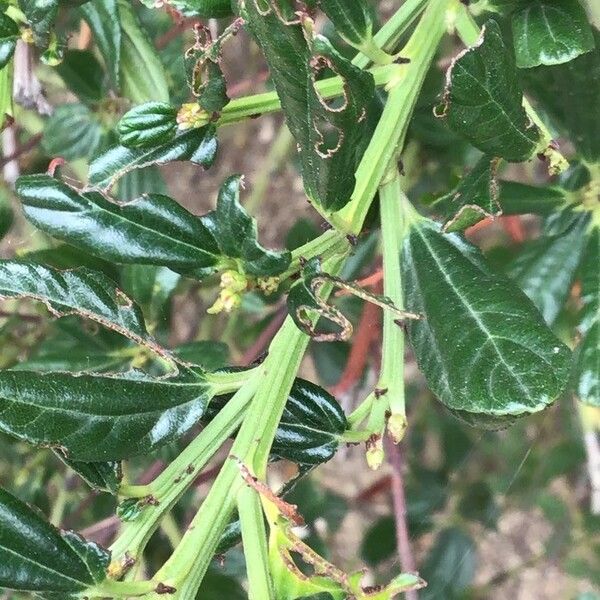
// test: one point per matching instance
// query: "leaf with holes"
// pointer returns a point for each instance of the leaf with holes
(474, 198)
(587, 360)
(330, 134)
(101, 417)
(483, 100)
(482, 346)
(148, 125)
(196, 145)
(37, 557)
(550, 32)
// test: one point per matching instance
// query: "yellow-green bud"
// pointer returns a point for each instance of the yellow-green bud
(191, 115)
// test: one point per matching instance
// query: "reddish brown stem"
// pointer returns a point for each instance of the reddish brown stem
(26, 147)
(395, 455)
(264, 339)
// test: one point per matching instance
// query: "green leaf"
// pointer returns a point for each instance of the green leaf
(482, 346)
(483, 100)
(6, 213)
(148, 125)
(331, 135)
(196, 145)
(569, 94)
(545, 268)
(474, 198)
(83, 75)
(72, 132)
(450, 565)
(81, 292)
(100, 417)
(352, 20)
(216, 586)
(379, 541)
(235, 232)
(142, 74)
(519, 198)
(206, 9)
(40, 15)
(587, 359)
(478, 504)
(37, 557)
(102, 476)
(210, 355)
(311, 425)
(103, 18)
(9, 34)
(153, 229)
(550, 32)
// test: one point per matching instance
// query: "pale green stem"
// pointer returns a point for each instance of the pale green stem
(254, 540)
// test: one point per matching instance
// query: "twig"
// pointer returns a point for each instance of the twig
(30, 144)
(166, 38)
(407, 562)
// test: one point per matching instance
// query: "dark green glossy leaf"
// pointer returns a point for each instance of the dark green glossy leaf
(210, 355)
(587, 361)
(6, 213)
(483, 99)
(482, 346)
(152, 229)
(196, 145)
(100, 418)
(236, 233)
(72, 132)
(40, 15)
(83, 75)
(330, 136)
(450, 565)
(103, 18)
(519, 198)
(545, 268)
(352, 20)
(9, 34)
(147, 125)
(37, 557)
(102, 476)
(311, 426)
(206, 9)
(550, 32)
(141, 72)
(140, 181)
(569, 93)
(474, 198)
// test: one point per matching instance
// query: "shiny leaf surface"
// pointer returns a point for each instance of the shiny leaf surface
(37, 557)
(148, 125)
(100, 418)
(482, 346)
(483, 99)
(102, 476)
(9, 34)
(550, 32)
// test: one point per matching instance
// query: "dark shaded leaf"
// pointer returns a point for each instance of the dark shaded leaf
(210, 355)
(587, 360)
(36, 557)
(569, 93)
(6, 214)
(83, 75)
(520, 199)
(331, 136)
(9, 34)
(379, 541)
(148, 125)
(141, 72)
(482, 346)
(474, 198)
(103, 18)
(216, 586)
(196, 145)
(206, 9)
(100, 418)
(550, 32)
(450, 565)
(236, 233)
(478, 504)
(484, 100)
(102, 476)
(72, 132)
(40, 15)
(545, 268)
(353, 21)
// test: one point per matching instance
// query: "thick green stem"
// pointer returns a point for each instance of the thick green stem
(393, 125)
(254, 540)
